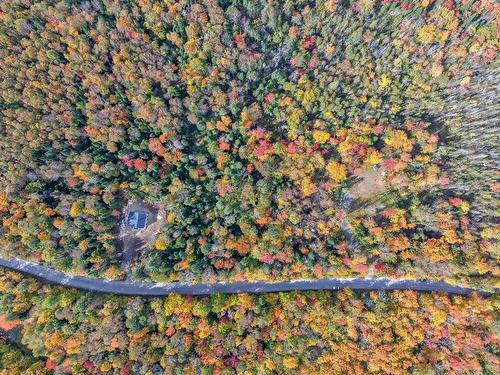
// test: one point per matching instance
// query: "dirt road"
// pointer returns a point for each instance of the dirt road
(161, 289)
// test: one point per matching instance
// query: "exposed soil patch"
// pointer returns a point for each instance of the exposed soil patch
(368, 183)
(134, 240)
(367, 191)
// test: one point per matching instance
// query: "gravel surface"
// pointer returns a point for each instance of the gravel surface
(161, 289)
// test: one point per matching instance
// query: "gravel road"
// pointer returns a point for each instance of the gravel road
(161, 289)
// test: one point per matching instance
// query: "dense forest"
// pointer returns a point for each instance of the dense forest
(66, 331)
(276, 140)
(282, 139)
(14, 361)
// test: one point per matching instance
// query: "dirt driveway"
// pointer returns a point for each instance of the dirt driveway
(134, 240)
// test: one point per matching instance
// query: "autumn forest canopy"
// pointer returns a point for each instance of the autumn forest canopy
(261, 140)
(69, 332)
(280, 139)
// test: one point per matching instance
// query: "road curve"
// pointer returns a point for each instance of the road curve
(161, 289)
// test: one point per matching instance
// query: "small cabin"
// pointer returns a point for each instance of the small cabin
(137, 219)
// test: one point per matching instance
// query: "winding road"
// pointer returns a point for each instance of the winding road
(131, 288)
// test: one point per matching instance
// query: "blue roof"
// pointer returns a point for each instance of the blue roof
(137, 219)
